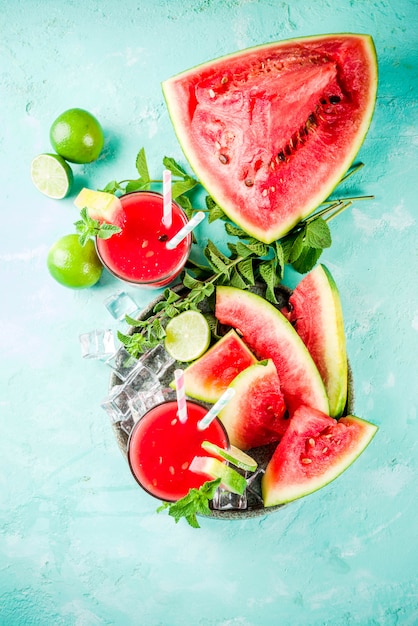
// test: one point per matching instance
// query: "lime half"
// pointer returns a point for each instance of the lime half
(234, 455)
(51, 175)
(187, 336)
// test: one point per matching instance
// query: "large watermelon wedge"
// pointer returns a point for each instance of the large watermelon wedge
(271, 130)
(316, 313)
(256, 415)
(314, 450)
(268, 334)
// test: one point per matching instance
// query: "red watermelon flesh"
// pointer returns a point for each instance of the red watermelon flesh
(256, 415)
(271, 130)
(209, 376)
(269, 335)
(314, 450)
(316, 313)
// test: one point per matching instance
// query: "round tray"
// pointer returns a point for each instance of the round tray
(262, 455)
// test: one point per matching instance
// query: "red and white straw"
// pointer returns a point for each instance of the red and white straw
(167, 200)
(181, 395)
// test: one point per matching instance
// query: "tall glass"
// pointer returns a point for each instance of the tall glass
(161, 448)
(138, 254)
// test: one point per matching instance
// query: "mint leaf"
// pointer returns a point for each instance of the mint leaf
(318, 234)
(176, 169)
(142, 166)
(195, 502)
(105, 230)
(179, 187)
(307, 259)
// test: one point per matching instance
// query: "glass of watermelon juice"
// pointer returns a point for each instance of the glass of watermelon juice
(161, 449)
(138, 254)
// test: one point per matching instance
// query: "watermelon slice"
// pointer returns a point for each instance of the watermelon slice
(314, 450)
(256, 415)
(316, 313)
(208, 377)
(270, 335)
(271, 130)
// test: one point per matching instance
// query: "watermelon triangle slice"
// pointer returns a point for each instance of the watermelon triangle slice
(209, 376)
(256, 415)
(271, 130)
(314, 450)
(316, 314)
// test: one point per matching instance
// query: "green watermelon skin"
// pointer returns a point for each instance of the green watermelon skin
(315, 450)
(269, 335)
(209, 376)
(271, 130)
(317, 316)
(256, 415)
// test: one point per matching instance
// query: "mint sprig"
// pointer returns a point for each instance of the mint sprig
(88, 227)
(195, 502)
(182, 182)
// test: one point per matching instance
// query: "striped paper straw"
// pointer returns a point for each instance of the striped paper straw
(167, 214)
(217, 407)
(196, 219)
(181, 395)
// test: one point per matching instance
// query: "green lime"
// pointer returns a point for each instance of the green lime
(234, 455)
(187, 336)
(51, 175)
(72, 264)
(77, 136)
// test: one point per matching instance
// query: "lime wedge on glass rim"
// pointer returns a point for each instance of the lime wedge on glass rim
(233, 455)
(187, 336)
(51, 175)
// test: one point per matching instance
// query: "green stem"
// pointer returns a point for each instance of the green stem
(353, 170)
(342, 208)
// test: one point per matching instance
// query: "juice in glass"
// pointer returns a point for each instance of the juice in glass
(161, 448)
(138, 254)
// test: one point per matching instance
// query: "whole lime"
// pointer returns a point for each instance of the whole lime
(77, 136)
(72, 264)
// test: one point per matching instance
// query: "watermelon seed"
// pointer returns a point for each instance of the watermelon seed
(224, 80)
(281, 156)
(223, 159)
(249, 182)
(334, 99)
(324, 450)
(306, 461)
(264, 192)
(211, 93)
(311, 442)
(163, 238)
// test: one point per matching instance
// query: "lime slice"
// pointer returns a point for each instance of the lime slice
(234, 455)
(51, 175)
(230, 479)
(187, 336)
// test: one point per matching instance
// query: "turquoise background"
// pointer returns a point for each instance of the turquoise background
(80, 543)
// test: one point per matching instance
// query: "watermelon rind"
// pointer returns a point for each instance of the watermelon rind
(317, 314)
(314, 183)
(278, 489)
(270, 335)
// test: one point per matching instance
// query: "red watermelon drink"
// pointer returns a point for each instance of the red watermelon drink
(138, 254)
(161, 449)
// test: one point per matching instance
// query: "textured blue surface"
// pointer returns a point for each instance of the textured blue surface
(80, 543)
